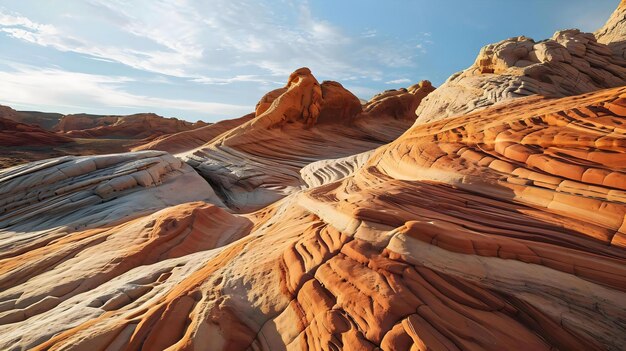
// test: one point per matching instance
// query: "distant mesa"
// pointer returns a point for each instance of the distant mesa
(19, 134)
(45, 120)
(14, 133)
(137, 126)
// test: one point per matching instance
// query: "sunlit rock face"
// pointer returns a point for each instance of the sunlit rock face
(259, 161)
(613, 33)
(188, 140)
(569, 63)
(505, 233)
(319, 223)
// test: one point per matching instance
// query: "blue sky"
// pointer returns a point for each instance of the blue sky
(214, 59)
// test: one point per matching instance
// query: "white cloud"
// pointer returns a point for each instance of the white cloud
(72, 92)
(233, 50)
(13, 20)
(399, 81)
(239, 78)
(212, 41)
(370, 33)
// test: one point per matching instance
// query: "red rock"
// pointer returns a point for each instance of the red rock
(138, 126)
(18, 134)
(498, 229)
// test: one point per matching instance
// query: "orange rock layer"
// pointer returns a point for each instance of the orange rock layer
(18, 134)
(138, 126)
(259, 161)
(498, 230)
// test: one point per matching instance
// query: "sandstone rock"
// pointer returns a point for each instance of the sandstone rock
(569, 63)
(505, 233)
(499, 229)
(399, 103)
(191, 139)
(18, 134)
(259, 161)
(44, 120)
(613, 33)
(95, 190)
(137, 126)
(327, 171)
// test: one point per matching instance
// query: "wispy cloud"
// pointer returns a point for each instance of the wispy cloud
(209, 41)
(186, 50)
(238, 78)
(399, 81)
(75, 92)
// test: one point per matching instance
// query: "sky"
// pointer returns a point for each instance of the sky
(214, 59)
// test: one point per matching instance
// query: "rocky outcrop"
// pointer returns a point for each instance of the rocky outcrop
(95, 190)
(8, 113)
(331, 170)
(138, 126)
(613, 33)
(570, 63)
(191, 139)
(400, 103)
(259, 161)
(498, 230)
(44, 120)
(18, 134)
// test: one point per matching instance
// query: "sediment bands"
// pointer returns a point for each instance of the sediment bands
(402, 253)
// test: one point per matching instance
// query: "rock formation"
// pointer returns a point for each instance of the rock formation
(613, 33)
(44, 120)
(399, 103)
(401, 254)
(320, 223)
(81, 191)
(137, 126)
(250, 165)
(570, 63)
(191, 139)
(18, 134)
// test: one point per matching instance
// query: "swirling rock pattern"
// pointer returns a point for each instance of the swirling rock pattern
(505, 233)
(570, 63)
(498, 229)
(259, 161)
(94, 190)
(191, 139)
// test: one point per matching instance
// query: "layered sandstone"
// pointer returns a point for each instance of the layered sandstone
(191, 139)
(137, 126)
(19, 134)
(259, 161)
(44, 120)
(95, 190)
(498, 229)
(401, 254)
(570, 63)
(613, 33)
